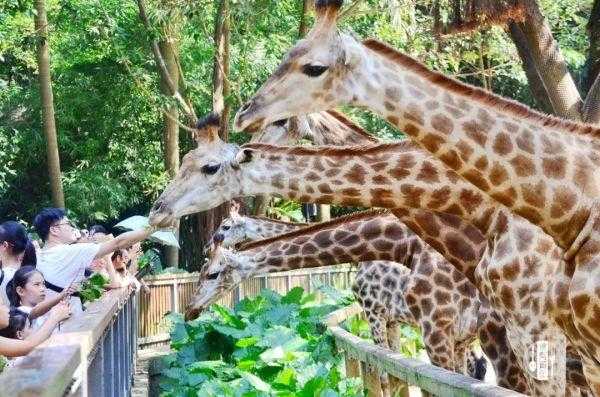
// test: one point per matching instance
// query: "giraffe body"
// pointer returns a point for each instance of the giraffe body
(391, 293)
(400, 176)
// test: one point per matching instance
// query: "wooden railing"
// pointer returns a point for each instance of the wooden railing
(368, 361)
(172, 293)
(92, 354)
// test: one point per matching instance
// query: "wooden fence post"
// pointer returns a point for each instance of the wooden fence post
(372, 381)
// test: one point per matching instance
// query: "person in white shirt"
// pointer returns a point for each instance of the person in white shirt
(61, 261)
(16, 249)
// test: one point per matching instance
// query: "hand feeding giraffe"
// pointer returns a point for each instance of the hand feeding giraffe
(538, 166)
(397, 175)
(428, 292)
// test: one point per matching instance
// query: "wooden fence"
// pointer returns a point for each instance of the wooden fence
(172, 293)
(92, 354)
(367, 361)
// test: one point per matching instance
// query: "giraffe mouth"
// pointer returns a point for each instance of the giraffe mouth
(247, 118)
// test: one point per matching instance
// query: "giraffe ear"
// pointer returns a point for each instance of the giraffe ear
(243, 156)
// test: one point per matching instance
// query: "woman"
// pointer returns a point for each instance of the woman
(16, 249)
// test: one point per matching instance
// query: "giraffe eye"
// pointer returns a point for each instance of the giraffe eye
(314, 70)
(210, 169)
(213, 276)
(226, 227)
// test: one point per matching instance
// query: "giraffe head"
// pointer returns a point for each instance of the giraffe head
(325, 60)
(323, 128)
(208, 176)
(235, 229)
(224, 270)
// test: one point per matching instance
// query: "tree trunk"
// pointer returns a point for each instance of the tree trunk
(550, 63)
(592, 64)
(536, 85)
(303, 29)
(168, 49)
(43, 58)
(208, 221)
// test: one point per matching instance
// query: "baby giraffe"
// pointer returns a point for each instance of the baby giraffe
(390, 293)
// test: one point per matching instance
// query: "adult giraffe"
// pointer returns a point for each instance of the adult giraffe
(538, 166)
(398, 175)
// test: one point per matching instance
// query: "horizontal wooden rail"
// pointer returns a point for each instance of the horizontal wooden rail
(430, 378)
(93, 354)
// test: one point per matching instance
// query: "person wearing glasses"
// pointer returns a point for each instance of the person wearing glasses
(61, 261)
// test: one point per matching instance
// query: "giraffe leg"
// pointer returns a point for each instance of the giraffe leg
(494, 343)
(592, 374)
(439, 343)
(378, 327)
(398, 388)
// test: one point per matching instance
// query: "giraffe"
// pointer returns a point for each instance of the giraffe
(538, 166)
(401, 176)
(426, 291)
(238, 229)
(324, 128)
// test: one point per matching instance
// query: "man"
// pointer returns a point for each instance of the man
(62, 262)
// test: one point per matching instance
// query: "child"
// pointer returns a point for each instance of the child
(17, 325)
(16, 250)
(16, 348)
(27, 291)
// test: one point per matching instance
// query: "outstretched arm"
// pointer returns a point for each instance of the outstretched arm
(16, 348)
(123, 241)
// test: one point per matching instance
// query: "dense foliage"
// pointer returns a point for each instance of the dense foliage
(106, 87)
(270, 345)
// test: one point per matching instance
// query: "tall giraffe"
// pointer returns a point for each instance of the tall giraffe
(427, 291)
(238, 229)
(539, 166)
(520, 286)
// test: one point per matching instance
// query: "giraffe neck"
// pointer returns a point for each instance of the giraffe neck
(395, 175)
(259, 227)
(367, 236)
(512, 154)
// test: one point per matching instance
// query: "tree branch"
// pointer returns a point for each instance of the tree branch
(162, 67)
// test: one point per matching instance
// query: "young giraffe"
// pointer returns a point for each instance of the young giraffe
(397, 175)
(538, 166)
(239, 229)
(426, 292)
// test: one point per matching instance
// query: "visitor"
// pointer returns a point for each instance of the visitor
(27, 292)
(17, 325)
(16, 249)
(14, 347)
(61, 261)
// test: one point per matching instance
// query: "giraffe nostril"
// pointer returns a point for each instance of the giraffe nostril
(218, 238)
(158, 205)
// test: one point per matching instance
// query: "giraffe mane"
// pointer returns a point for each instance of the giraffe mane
(355, 150)
(264, 218)
(316, 227)
(478, 94)
(342, 118)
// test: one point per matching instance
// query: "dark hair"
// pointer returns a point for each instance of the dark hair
(16, 235)
(17, 321)
(97, 229)
(45, 219)
(30, 256)
(20, 279)
(117, 254)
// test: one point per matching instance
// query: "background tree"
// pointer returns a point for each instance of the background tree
(49, 124)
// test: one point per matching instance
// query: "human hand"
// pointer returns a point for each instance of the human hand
(60, 312)
(71, 289)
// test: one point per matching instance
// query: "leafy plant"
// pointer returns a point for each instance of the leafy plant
(93, 287)
(270, 345)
